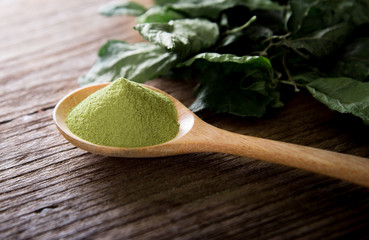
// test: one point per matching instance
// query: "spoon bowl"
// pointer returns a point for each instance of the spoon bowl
(197, 136)
(185, 119)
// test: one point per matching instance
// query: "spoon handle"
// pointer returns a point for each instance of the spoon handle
(342, 166)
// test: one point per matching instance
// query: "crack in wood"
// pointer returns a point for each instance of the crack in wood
(44, 109)
(46, 209)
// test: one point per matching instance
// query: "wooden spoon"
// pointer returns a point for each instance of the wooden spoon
(197, 136)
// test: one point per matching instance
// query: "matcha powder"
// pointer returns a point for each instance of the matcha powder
(124, 114)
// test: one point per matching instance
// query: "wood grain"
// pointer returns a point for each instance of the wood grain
(51, 190)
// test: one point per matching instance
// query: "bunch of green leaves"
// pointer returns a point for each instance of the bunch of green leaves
(245, 54)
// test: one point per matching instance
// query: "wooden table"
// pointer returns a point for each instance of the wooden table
(50, 189)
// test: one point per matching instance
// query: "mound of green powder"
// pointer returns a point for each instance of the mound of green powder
(124, 114)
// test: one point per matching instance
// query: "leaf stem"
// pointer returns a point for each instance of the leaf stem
(288, 82)
(240, 28)
(279, 37)
(288, 72)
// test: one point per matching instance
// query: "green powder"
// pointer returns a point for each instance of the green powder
(124, 114)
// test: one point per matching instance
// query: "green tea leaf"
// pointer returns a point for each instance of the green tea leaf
(122, 8)
(211, 9)
(164, 11)
(252, 39)
(307, 77)
(300, 10)
(159, 14)
(229, 84)
(354, 62)
(345, 95)
(322, 42)
(139, 62)
(165, 2)
(183, 37)
(310, 16)
(258, 62)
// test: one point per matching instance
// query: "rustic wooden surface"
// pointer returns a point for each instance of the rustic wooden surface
(49, 189)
